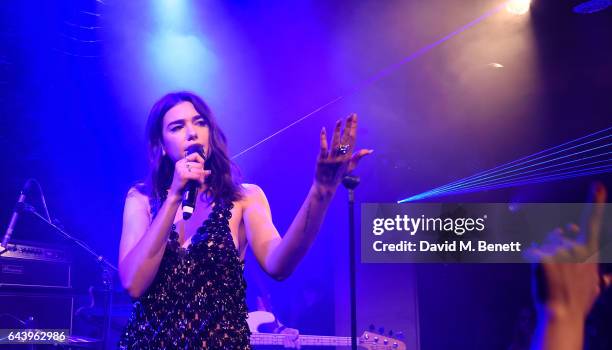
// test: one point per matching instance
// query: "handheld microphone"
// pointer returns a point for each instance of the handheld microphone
(15, 216)
(191, 189)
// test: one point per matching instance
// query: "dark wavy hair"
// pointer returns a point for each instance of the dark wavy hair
(224, 181)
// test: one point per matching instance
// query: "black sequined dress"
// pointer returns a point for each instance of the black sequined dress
(198, 297)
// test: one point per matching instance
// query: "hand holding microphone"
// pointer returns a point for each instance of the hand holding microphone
(189, 175)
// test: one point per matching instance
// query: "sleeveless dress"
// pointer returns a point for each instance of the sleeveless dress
(198, 297)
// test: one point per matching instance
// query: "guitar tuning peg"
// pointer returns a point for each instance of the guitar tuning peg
(390, 332)
(371, 328)
(400, 335)
(381, 330)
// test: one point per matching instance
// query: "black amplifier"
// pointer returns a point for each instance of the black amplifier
(30, 264)
(35, 287)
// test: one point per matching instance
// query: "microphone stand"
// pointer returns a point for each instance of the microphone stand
(108, 269)
(350, 182)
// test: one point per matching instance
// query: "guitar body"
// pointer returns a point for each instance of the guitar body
(368, 340)
(258, 319)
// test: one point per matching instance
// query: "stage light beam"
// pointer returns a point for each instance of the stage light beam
(502, 176)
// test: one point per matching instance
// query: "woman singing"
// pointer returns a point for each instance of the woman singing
(187, 275)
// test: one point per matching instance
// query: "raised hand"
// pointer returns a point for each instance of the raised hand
(338, 160)
(567, 279)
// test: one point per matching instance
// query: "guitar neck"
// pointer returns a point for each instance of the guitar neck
(318, 340)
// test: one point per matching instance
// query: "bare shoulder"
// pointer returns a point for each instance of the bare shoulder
(251, 190)
(134, 193)
(136, 219)
(136, 200)
(254, 202)
(253, 194)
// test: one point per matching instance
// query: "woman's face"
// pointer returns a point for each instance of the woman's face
(182, 126)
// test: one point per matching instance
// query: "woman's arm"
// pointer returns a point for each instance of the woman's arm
(143, 241)
(277, 256)
(142, 245)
